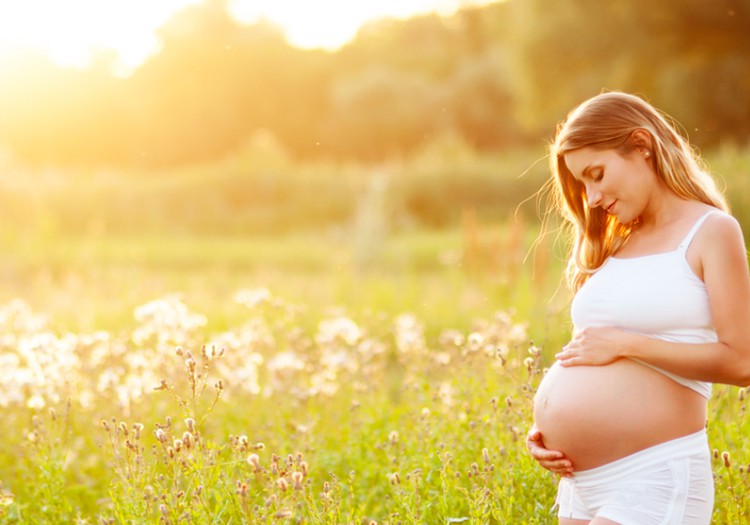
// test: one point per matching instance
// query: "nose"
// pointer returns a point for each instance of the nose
(594, 197)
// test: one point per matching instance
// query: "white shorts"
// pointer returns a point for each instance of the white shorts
(668, 484)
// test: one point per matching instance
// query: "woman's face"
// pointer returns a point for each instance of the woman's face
(622, 185)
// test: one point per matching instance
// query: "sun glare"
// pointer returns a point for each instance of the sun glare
(329, 24)
(72, 32)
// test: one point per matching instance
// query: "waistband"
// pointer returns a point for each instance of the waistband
(682, 447)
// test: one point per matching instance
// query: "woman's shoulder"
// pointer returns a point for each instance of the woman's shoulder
(720, 223)
(719, 233)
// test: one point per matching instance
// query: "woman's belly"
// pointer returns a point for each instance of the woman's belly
(597, 414)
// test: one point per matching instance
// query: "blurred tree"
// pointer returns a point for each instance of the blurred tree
(379, 113)
(478, 102)
(494, 74)
(690, 57)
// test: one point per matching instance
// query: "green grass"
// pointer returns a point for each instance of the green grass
(403, 396)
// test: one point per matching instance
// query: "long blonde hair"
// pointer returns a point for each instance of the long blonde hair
(607, 121)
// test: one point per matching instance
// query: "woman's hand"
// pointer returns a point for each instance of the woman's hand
(595, 346)
(553, 460)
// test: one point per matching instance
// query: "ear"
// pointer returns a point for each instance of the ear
(642, 140)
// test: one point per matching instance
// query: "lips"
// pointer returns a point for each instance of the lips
(611, 207)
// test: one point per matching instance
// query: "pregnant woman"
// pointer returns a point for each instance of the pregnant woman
(661, 310)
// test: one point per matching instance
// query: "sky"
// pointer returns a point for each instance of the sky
(70, 31)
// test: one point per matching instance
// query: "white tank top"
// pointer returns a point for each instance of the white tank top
(656, 295)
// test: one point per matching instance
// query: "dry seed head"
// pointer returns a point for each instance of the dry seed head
(282, 484)
(254, 460)
(725, 459)
(163, 509)
(395, 478)
(105, 425)
(283, 514)
(486, 455)
(297, 478)
(137, 429)
(393, 437)
(259, 446)
(177, 444)
(187, 439)
(160, 435)
(303, 467)
(190, 424)
(241, 489)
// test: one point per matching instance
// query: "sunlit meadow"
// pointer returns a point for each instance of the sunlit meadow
(297, 408)
(367, 373)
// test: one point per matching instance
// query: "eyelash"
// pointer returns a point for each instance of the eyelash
(599, 176)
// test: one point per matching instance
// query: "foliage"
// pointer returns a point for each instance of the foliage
(498, 76)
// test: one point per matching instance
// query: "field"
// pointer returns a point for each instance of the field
(279, 380)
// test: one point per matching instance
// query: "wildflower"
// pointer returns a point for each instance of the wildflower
(486, 455)
(251, 298)
(241, 489)
(177, 444)
(283, 514)
(162, 385)
(160, 435)
(187, 439)
(303, 467)
(393, 437)
(282, 484)
(254, 460)
(425, 413)
(475, 340)
(725, 458)
(190, 424)
(137, 429)
(297, 478)
(6, 498)
(395, 478)
(105, 425)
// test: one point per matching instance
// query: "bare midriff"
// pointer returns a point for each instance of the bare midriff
(598, 414)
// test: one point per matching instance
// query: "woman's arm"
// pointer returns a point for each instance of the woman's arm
(724, 268)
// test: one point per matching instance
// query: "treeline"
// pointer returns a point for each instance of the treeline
(498, 76)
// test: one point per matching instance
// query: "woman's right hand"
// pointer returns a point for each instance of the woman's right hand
(552, 460)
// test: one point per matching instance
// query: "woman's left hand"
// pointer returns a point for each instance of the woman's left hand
(595, 346)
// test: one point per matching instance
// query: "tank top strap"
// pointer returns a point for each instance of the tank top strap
(689, 237)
